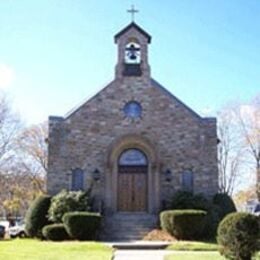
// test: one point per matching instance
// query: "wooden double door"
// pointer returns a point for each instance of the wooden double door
(132, 188)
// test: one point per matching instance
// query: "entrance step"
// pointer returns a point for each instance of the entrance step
(139, 245)
(127, 226)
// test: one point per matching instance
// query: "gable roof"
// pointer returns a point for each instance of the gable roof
(168, 93)
(87, 100)
(154, 83)
(138, 28)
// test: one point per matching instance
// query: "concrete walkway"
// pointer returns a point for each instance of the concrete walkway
(138, 245)
(154, 254)
(139, 250)
(140, 254)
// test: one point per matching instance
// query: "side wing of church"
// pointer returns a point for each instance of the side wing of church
(134, 142)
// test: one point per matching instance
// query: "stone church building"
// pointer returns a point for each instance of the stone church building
(134, 142)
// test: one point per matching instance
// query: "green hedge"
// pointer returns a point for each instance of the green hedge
(188, 200)
(36, 216)
(238, 236)
(82, 225)
(184, 224)
(55, 232)
(67, 201)
(217, 208)
(225, 203)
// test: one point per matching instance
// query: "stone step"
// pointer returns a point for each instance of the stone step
(122, 238)
(128, 230)
(142, 232)
(122, 226)
(138, 228)
(121, 230)
(141, 245)
(129, 224)
(132, 218)
(126, 226)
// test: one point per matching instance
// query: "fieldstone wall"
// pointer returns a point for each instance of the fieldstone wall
(181, 138)
(175, 136)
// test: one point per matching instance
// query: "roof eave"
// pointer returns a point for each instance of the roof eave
(133, 24)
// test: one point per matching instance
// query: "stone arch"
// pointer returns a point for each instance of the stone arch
(132, 141)
(111, 176)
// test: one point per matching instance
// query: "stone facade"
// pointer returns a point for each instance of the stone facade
(172, 136)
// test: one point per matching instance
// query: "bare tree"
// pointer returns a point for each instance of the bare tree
(244, 196)
(23, 178)
(17, 192)
(33, 153)
(248, 118)
(23, 161)
(230, 151)
(10, 125)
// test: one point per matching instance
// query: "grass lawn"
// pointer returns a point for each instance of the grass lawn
(194, 256)
(191, 250)
(197, 256)
(29, 249)
(193, 246)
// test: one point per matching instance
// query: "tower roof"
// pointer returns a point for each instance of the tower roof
(138, 28)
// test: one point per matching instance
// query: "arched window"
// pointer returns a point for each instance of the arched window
(187, 181)
(132, 157)
(77, 179)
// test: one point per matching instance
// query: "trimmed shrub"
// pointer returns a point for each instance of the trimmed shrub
(36, 216)
(82, 225)
(238, 236)
(188, 200)
(225, 204)
(212, 222)
(55, 232)
(67, 201)
(184, 224)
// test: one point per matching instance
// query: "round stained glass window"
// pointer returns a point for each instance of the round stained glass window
(133, 109)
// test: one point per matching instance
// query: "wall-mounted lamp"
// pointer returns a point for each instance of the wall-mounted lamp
(96, 175)
(168, 175)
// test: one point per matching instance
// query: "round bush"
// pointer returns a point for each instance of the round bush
(55, 232)
(82, 225)
(36, 216)
(188, 200)
(67, 201)
(184, 224)
(238, 236)
(225, 203)
(212, 222)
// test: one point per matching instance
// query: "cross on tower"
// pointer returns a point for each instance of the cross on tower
(133, 11)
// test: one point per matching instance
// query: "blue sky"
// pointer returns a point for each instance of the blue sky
(56, 53)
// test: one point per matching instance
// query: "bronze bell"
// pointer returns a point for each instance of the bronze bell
(132, 56)
(132, 52)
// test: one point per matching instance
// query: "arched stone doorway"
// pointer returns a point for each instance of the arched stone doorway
(132, 187)
(112, 195)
